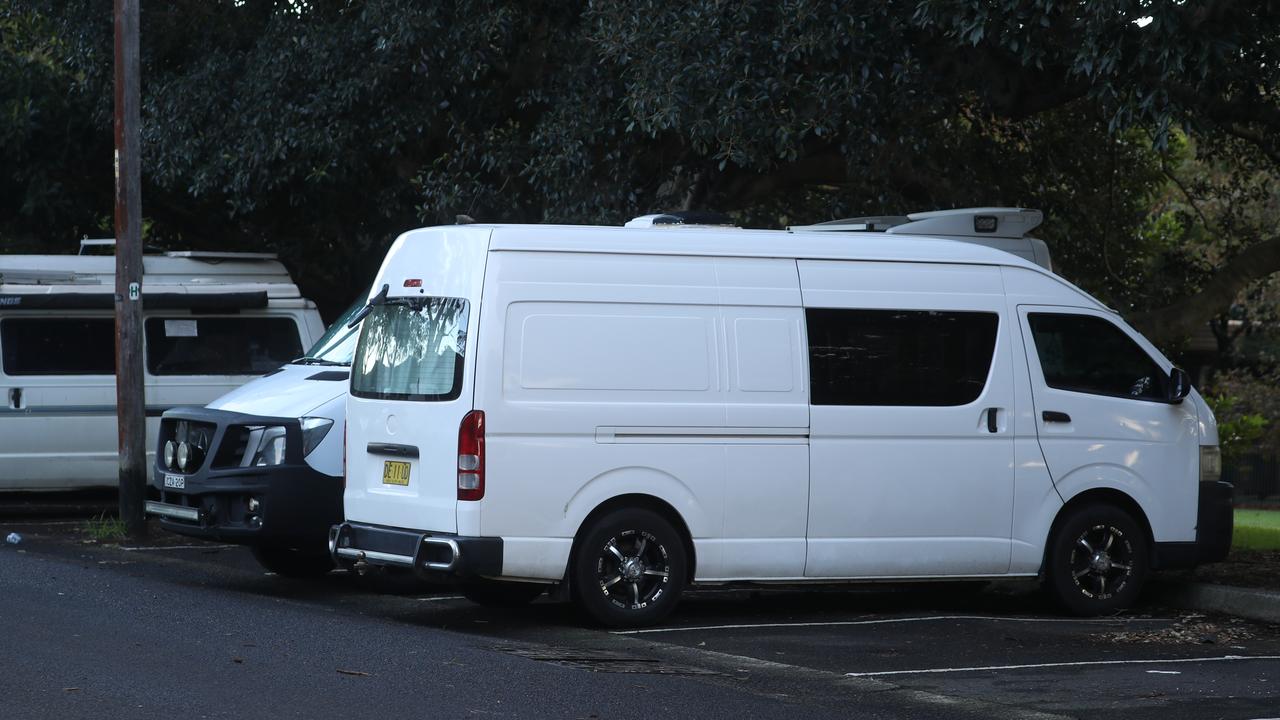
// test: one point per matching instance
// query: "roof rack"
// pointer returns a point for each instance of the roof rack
(87, 244)
(212, 256)
(1001, 222)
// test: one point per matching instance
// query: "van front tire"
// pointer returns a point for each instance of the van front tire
(1097, 560)
(629, 568)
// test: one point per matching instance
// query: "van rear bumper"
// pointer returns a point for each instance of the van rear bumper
(432, 555)
(1214, 524)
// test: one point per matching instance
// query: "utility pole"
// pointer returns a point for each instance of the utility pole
(130, 390)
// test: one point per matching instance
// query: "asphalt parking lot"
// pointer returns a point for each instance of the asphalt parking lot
(911, 651)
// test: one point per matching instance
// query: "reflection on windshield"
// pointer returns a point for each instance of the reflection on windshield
(412, 350)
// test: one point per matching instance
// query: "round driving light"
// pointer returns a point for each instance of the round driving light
(184, 455)
(170, 448)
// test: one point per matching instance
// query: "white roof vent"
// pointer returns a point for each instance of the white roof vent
(998, 227)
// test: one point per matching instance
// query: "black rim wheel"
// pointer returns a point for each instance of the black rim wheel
(633, 569)
(1101, 561)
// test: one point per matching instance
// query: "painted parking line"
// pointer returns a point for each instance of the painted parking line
(888, 621)
(176, 547)
(437, 598)
(1080, 663)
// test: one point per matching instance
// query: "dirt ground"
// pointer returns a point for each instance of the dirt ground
(1243, 568)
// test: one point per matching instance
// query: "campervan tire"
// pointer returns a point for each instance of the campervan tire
(500, 594)
(1097, 561)
(629, 568)
(293, 563)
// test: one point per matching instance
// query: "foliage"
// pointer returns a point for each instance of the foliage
(105, 529)
(1238, 431)
(1256, 530)
(320, 129)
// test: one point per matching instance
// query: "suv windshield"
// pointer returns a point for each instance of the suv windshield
(412, 349)
(338, 343)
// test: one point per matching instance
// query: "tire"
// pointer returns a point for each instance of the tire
(1098, 559)
(500, 594)
(292, 563)
(628, 568)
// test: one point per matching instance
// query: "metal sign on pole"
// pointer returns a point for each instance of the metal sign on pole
(130, 398)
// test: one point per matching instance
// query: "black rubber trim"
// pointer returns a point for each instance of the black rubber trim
(330, 375)
(153, 301)
(477, 556)
(1215, 521)
(392, 449)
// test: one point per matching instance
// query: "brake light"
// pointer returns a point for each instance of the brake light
(471, 456)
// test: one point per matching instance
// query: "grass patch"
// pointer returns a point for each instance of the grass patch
(1257, 530)
(105, 529)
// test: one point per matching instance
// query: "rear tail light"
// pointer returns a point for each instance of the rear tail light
(471, 456)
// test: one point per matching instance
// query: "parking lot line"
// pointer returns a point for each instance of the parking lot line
(886, 621)
(437, 598)
(1079, 663)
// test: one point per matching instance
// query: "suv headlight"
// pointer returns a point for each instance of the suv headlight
(269, 445)
(1210, 463)
(313, 431)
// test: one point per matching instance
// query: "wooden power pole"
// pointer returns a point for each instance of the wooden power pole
(130, 390)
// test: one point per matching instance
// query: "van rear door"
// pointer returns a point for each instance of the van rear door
(411, 382)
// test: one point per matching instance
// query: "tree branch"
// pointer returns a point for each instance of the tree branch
(1177, 321)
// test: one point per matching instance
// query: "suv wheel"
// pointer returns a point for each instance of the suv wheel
(629, 568)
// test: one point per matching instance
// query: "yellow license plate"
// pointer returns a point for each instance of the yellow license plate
(395, 472)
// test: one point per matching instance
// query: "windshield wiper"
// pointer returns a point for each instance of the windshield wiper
(379, 299)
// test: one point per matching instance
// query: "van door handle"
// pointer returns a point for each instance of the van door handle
(392, 449)
(15, 398)
(1054, 416)
(992, 426)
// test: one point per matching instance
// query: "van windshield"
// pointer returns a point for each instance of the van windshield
(338, 343)
(411, 349)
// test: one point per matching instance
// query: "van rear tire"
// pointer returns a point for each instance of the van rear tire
(293, 563)
(1097, 561)
(629, 568)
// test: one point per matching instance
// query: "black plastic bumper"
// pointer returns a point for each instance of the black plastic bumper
(434, 556)
(1215, 521)
(287, 505)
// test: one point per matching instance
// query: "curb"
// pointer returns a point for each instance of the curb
(1249, 603)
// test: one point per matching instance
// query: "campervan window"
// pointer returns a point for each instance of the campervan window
(220, 345)
(412, 350)
(1087, 354)
(899, 357)
(58, 346)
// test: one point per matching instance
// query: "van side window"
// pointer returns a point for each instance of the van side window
(899, 357)
(220, 345)
(1084, 353)
(58, 346)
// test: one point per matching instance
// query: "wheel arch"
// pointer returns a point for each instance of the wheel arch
(647, 502)
(1102, 495)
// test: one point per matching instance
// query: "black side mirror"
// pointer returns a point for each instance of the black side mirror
(1179, 385)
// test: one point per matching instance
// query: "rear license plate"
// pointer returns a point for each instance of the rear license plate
(395, 472)
(175, 481)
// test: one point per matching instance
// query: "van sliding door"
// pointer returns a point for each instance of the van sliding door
(911, 449)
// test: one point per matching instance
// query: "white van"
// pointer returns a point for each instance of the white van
(262, 466)
(623, 411)
(211, 322)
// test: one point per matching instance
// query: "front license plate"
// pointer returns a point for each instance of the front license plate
(175, 481)
(395, 472)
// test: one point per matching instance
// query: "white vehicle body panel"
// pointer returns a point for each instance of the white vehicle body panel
(58, 431)
(675, 364)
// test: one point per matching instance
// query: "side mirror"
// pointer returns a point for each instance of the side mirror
(1179, 385)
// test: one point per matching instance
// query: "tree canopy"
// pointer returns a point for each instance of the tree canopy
(1149, 132)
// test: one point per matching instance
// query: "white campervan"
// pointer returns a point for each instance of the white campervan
(623, 411)
(211, 322)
